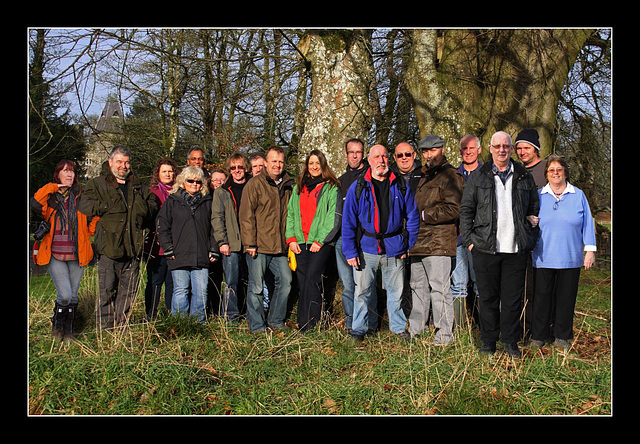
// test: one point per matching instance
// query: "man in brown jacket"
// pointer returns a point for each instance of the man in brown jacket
(263, 218)
(438, 198)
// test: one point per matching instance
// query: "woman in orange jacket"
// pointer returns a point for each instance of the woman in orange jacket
(66, 247)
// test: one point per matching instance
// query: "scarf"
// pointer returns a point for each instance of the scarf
(67, 214)
(310, 183)
(165, 190)
(191, 200)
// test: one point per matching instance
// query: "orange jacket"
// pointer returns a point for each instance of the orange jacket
(85, 230)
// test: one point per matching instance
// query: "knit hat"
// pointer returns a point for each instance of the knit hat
(529, 136)
(430, 141)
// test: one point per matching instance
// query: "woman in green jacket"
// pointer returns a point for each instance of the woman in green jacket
(310, 230)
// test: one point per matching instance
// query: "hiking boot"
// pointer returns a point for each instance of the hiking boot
(68, 322)
(512, 350)
(356, 338)
(537, 343)
(562, 344)
(488, 348)
(58, 321)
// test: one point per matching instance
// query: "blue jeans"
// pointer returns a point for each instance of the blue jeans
(365, 281)
(66, 276)
(198, 278)
(345, 271)
(231, 265)
(462, 273)
(257, 267)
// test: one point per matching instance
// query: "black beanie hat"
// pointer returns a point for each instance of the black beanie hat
(530, 136)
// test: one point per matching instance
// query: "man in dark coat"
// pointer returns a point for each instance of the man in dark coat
(126, 208)
(498, 217)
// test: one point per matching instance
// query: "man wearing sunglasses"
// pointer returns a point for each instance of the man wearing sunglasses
(407, 164)
(226, 230)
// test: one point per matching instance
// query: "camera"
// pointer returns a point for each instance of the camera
(42, 230)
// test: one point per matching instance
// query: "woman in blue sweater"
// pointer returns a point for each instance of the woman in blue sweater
(566, 231)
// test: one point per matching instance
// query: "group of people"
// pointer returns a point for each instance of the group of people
(517, 233)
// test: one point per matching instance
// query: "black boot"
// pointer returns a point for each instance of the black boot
(58, 320)
(70, 311)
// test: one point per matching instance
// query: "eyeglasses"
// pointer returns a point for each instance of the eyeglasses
(355, 153)
(555, 170)
(197, 182)
(505, 146)
(401, 155)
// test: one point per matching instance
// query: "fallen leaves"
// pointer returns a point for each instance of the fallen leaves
(331, 406)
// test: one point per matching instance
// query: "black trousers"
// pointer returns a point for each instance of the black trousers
(500, 278)
(309, 274)
(556, 291)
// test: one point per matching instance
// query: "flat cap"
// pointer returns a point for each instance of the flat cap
(430, 141)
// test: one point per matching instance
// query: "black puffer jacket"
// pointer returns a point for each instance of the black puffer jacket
(187, 236)
(478, 211)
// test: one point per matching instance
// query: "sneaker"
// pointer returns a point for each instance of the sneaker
(442, 340)
(512, 350)
(563, 344)
(404, 335)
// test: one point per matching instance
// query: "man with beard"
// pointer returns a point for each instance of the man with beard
(438, 198)
(376, 210)
(126, 208)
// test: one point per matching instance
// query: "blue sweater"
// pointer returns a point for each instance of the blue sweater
(565, 231)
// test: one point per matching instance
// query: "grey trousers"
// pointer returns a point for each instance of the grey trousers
(431, 289)
(118, 281)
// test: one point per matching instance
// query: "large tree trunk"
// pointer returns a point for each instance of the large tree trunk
(482, 81)
(341, 76)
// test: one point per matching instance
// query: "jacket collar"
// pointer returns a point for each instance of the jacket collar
(111, 179)
(392, 177)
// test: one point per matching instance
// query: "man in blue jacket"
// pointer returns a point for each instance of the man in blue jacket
(380, 224)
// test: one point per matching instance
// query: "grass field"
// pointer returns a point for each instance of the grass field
(176, 367)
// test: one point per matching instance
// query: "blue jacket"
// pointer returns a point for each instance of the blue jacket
(402, 207)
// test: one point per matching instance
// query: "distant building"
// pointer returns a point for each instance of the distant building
(101, 138)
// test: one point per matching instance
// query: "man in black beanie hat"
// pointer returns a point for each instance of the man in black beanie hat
(528, 150)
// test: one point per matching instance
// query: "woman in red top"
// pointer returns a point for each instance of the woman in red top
(310, 232)
(66, 248)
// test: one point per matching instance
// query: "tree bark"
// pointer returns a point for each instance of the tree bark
(482, 81)
(341, 76)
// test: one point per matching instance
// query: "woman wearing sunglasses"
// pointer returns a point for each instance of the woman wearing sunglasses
(567, 242)
(186, 236)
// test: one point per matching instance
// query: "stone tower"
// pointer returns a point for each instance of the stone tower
(101, 138)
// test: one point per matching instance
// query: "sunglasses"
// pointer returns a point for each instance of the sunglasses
(199, 182)
(401, 155)
(236, 167)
